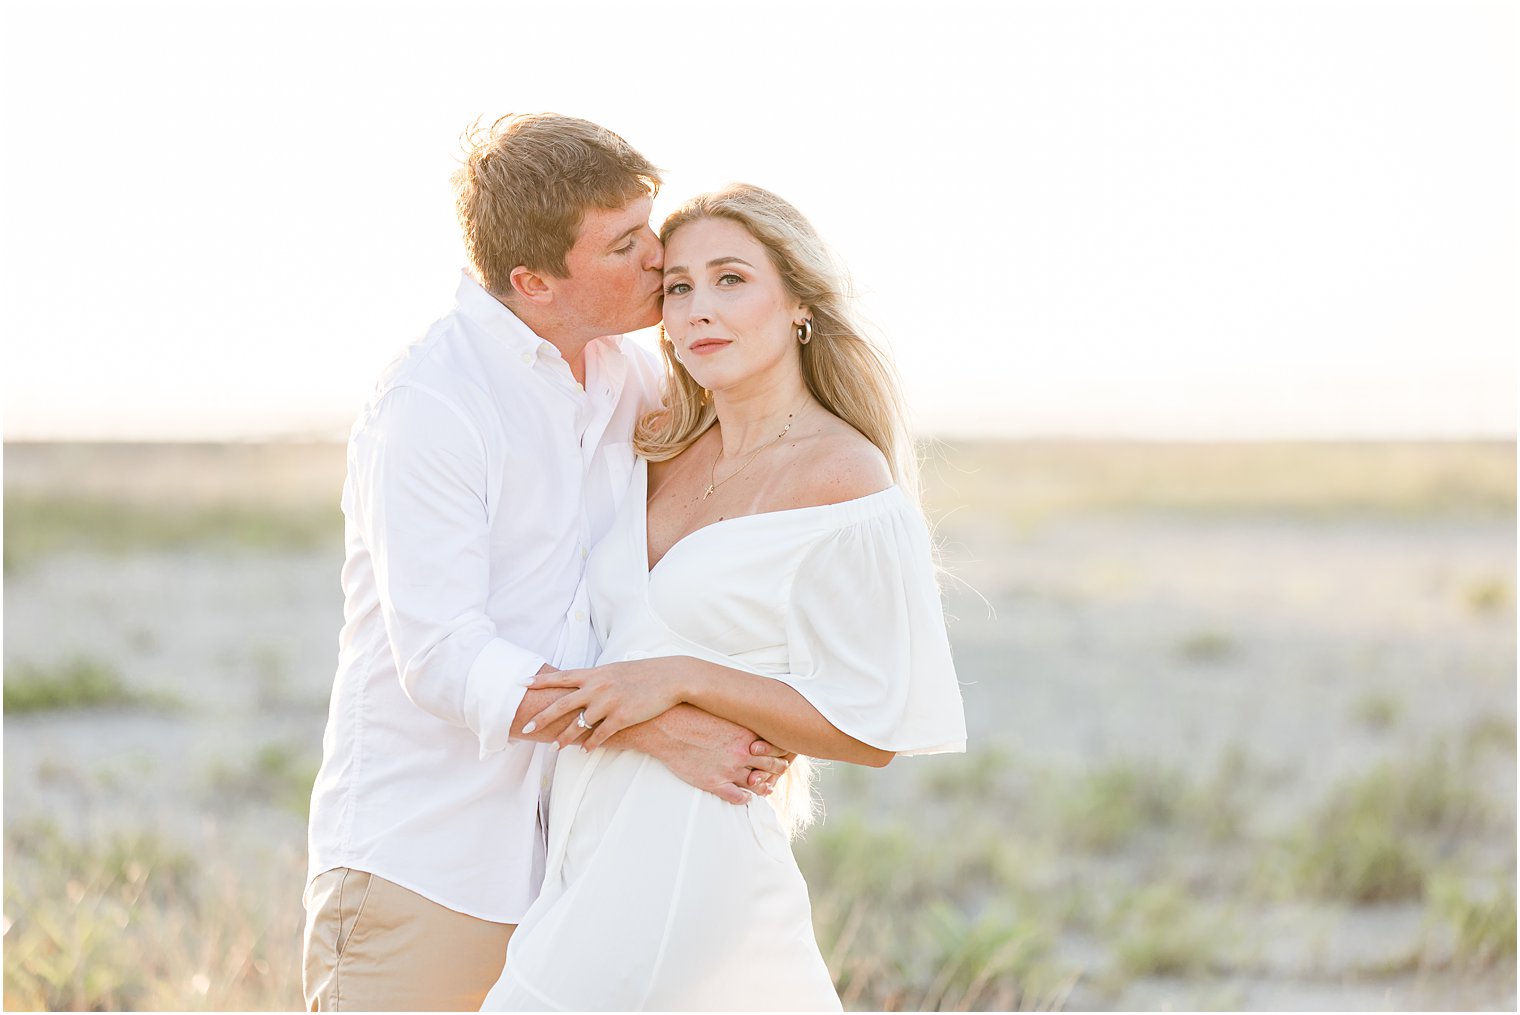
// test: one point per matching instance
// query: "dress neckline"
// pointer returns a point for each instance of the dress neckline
(846, 507)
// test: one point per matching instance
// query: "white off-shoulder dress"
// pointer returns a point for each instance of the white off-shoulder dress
(658, 895)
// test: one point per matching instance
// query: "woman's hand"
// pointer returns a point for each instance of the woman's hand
(614, 697)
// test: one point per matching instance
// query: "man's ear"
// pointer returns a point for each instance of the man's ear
(531, 286)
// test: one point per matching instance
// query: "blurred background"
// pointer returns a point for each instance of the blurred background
(1207, 314)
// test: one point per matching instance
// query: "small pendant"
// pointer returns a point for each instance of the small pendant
(709, 490)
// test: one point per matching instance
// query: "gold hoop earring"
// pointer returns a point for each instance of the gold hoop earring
(805, 331)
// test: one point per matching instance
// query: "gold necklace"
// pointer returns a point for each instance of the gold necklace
(712, 476)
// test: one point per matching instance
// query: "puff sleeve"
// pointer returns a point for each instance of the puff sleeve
(866, 638)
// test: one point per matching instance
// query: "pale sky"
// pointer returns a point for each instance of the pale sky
(1176, 220)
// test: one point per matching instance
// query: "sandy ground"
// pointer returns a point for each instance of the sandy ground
(1145, 635)
(1085, 651)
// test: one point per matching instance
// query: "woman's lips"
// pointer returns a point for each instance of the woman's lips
(707, 345)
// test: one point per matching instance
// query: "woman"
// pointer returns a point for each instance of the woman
(770, 566)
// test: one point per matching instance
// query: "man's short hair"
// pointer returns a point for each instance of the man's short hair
(526, 184)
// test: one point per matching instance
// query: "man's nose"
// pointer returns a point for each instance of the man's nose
(656, 252)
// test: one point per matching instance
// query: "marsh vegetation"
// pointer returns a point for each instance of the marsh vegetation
(1242, 733)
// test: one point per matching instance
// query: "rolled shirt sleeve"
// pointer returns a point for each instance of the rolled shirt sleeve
(420, 478)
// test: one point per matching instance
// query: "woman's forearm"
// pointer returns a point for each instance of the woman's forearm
(776, 712)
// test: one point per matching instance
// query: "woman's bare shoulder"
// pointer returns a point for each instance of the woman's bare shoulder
(835, 465)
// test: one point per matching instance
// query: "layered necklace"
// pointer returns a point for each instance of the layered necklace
(712, 477)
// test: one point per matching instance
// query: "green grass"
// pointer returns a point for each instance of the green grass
(940, 955)
(132, 922)
(978, 937)
(861, 858)
(39, 525)
(1377, 711)
(1206, 647)
(1491, 732)
(238, 498)
(1181, 836)
(78, 683)
(995, 955)
(1358, 859)
(1030, 482)
(279, 773)
(1123, 805)
(1374, 839)
(1161, 930)
(988, 775)
(1431, 793)
(1483, 923)
(1104, 809)
(958, 885)
(127, 498)
(983, 881)
(951, 899)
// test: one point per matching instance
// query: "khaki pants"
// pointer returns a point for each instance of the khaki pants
(372, 945)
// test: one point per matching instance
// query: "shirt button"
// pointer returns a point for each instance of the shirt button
(580, 615)
(585, 553)
(527, 357)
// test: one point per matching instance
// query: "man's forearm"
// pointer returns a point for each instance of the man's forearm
(713, 754)
(668, 731)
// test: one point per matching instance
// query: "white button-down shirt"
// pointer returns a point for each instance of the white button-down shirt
(479, 474)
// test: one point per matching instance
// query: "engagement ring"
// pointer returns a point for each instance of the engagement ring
(580, 721)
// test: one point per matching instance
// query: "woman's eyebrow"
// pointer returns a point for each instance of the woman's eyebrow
(676, 269)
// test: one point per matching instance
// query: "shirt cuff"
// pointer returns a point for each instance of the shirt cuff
(498, 679)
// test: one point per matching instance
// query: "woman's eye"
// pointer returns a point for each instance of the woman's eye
(729, 278)
(677, 289)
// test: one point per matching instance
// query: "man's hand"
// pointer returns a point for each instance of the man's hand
(709, 753)
(608, 698)
(712, 754)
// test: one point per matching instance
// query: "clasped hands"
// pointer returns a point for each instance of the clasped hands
(618, 695)
(612, 697)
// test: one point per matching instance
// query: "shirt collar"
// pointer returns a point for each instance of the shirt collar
(497, 321)
(502, 324)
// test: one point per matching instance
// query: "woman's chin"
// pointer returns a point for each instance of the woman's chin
(715, 381)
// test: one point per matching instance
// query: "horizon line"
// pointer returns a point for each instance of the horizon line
(942, 437)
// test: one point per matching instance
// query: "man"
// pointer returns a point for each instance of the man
(490, 459)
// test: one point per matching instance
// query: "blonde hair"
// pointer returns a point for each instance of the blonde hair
(526, 183)
(842, 368)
